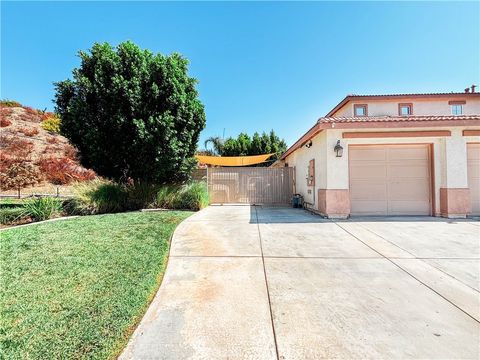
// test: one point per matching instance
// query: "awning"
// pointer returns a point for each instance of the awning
(233, 160)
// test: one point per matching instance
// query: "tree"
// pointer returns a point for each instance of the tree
(16, 174)
(243, 145)
(131, 113)
(217, 143)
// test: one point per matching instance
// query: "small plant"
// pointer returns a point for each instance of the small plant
(10, 103)
(52, 140)
(52, 124)
(97, 197)
(63, 171)
(42, 208)
(70, 152)
(192, 196)
(16, 174)
(11, 215)
(28, 131)
(5, 122)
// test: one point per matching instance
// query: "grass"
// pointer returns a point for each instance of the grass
(77, 288)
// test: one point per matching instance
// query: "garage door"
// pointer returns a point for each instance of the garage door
(473, 158)
(390, 180)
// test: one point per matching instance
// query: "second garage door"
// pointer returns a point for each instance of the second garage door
(473, 156)
(390, 180)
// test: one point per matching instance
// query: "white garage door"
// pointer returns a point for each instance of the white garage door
(390, 180)
(473, 158)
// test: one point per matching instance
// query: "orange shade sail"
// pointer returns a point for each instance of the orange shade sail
(233, 160)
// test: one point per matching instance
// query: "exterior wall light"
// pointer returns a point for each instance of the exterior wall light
(308, 145)
(338, 149)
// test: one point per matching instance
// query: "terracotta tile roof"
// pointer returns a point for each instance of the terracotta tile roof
(414, 94)
(354, 97)
(364, 119)
(367, 122)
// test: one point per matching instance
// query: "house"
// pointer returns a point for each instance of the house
(403, 154)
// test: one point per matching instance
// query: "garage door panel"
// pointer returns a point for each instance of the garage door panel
(390, 180)
(473, 160)
(368, 190)
(408, 153)
(367, 154)
(372, 207)
(368, 171)
(415, 169)
(401, 207)
(410, 190)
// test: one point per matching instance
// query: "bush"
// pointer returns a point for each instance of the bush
(42, 208)
(97, 197)
(10, 103)
(63, 171)
(10, 215)
(141, 195)
(5, 122)
(100, 196)
(190, 196)
(28, 131)
(52, 124)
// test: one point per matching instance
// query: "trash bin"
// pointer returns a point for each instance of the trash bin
(297, 201)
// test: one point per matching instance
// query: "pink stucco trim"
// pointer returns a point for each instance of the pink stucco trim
(455, 202)
(334, 203)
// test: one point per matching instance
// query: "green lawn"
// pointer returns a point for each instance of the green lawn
(76, 288)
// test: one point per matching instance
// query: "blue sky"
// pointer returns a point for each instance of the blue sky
(261, 65)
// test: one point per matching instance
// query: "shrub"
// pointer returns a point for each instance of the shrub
(52, 124)
(100, 196)
(16, 148)
(141, 195)
(63, 171)
(10, 103)
(11, 214)
(5, 122)
(52, 140)
(191, 196)
(16, 174)
(28, 131)
(42, 208)
(97, 197)
(70, 152)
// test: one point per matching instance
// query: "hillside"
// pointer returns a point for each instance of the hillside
(23, 136)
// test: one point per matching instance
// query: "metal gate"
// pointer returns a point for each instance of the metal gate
(250, 185)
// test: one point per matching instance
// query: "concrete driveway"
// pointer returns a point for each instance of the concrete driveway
(277, 283)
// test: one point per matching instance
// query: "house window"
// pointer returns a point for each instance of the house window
(405, 109)
(360, 110)
(457, 109)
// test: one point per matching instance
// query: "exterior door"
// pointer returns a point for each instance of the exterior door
(473, 163)
(390, 179)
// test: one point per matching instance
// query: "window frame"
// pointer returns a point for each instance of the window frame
(409, 105)
(453, 104)
(360, 106)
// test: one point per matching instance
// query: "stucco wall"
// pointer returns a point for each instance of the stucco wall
(300, 160)
(449, 160)
(420, 107)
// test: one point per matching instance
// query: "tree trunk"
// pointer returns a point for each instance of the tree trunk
(19, 193)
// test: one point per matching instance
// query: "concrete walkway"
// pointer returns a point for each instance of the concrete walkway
(276, 283)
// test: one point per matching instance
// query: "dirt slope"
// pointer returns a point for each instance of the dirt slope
(22, 135)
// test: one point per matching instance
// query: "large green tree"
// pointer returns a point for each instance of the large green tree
(132, 113)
